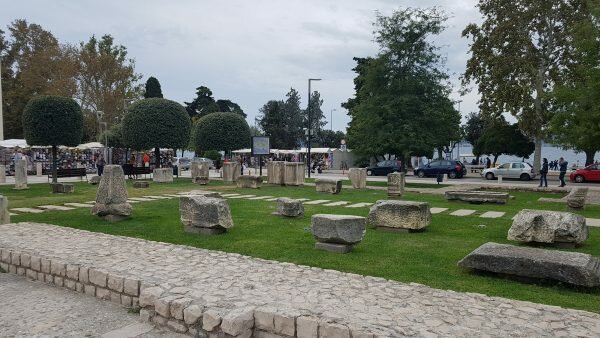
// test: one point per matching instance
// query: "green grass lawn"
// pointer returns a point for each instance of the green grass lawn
(427, 257)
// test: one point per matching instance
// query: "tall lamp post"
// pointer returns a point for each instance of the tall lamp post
(331, 119)
(309, 125)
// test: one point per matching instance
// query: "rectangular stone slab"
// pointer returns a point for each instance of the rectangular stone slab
(569, 267)
(478, 196)
(437, 210)
(462, 212)
(55, 207)
(492, 214)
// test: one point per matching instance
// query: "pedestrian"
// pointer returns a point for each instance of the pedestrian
(488, 162)
(146, 160)
(563, 171)
(100, 165)
(543, 173)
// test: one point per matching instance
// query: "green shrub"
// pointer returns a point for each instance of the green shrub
(221, 131)
(52, 121)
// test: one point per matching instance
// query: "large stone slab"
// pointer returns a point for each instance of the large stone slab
(249, 181)
(62, 188)
(208, 215)
(4, 213)
(328, 185)
(231, 172)
(289, 207)
(395, 185)
(21, 174)
(478, 197)
(162, 175)
(548, 227)
(393, 214)
(141, 184)
(111, 197)
(337, 229)
(358, 177)
(294, 173)
(94, 180)
(569, 267)
(576, 198)
(276, 172)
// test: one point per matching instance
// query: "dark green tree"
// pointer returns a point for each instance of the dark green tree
(502, 138)
(156, 123)
(519, 52)
(283, 121)
(153, 88)
(230, 107)
(53, 121)
(114, 136)
(221, 131)
(329, 138)
(474, 127)
(317, 116)
(203, 104)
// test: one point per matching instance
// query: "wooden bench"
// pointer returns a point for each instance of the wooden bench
(136, 171)
(62, 172)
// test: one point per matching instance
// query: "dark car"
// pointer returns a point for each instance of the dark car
(590, 173)
(383, 168)
(454, 169)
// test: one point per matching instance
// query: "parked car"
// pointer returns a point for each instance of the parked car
(383, 168)
(182, 162)
(204, 159)
(520, 170)
(590, 173)
(454, 169)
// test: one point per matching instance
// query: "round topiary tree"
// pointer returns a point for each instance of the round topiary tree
(156, 123)
(222, 131)
(53, 121)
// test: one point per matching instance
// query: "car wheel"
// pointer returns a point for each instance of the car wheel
(489, 176)
(421, 173)
(369, 173)
(579, 179)
(525, 177)
(452, 174)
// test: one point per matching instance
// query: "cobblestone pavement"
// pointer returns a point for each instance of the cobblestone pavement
(201, 291)
(35, 309)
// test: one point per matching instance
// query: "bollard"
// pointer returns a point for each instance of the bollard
(38, 169)
(499, 179)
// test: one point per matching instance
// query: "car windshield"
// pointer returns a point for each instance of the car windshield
(381, 164)
(504, 166)
(184, 160)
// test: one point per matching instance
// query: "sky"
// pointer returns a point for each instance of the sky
(249, 52)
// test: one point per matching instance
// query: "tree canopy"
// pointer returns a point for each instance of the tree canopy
(205, 104)
(153, 88)
(283, 121)
(221, 131)
(502, 138)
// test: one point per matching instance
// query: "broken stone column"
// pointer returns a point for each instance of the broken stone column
(4, 213)
(162, 175)
(358, 177)
(294, 173)
(276, 172)
(231, 172)
(200, 171)
(337, 233)
(111, 197)
(21, 174)
(205, 215)
(399, 216)
(395, 184)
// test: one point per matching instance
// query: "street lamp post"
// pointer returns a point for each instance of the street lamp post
(309, 125)
(331, 119)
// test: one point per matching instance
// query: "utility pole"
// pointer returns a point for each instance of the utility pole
(331, 119)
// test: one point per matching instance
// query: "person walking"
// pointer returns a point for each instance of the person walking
(562, 164)
(544, 173)
(488, 162)
(100, 165)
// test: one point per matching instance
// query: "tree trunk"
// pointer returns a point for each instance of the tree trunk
(537, 155)
(54, 172)
(157, 157)
(589, 157)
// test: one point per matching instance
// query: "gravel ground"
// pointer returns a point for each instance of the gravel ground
(35, 309)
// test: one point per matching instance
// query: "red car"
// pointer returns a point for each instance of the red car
(590, 173)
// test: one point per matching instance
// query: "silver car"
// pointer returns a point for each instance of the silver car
(520, 170)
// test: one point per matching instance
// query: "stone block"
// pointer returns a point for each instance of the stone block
(200, 169)
(211, 319)
(111, 197)
(238, 321)
(289, 207)
(395, 185)
(15, 258)
(548, 227)
(102, 293)
(192, 314)
(162, 175)
(84, 275)
(338, 229)
(294, 173)
(62, 188)
(21, 272)
(569, 267)
(31, 274)
(162, 306)
(276, 172)
(45, 265)
(35, 263)
(126, 300)
(201, 180)
(285, 323)
(95, 180)
(72, 272)
(70, 284)
(90, 290)
(204, 212)
(115, 297)
(25, 260)
(333, 330)
(249, 181)
(231, 172)
(576, 198)
(4, 213)
(177, 307)
(264, 319)
(149, 295)
(399, 215)
(141, 184)
(307, 327)
(131, 287)
(177, 326)
(358, 177)
(21, 174)
(58, 268)
(328, 185)
(478, 197)
(115, 283)
(98, 277)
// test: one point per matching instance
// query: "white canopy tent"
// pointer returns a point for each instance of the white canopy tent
(14, 143)
(90, 145)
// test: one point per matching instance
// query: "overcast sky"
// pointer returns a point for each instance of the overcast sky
(246, 51)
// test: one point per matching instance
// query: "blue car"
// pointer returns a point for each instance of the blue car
(454, 169)
(383, 168)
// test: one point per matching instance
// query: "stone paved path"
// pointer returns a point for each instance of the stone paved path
(234, 293)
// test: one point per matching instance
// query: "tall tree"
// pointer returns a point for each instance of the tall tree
(107, 81)
(518, 54)
(205, 104)
(329, 138)
(474, 127)
(402, 104)
(153, 88)
(317, 116)
(500, 138)
(230, 107)
(283, 121)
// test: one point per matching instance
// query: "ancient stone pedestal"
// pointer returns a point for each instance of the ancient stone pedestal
(62, 188)
(38, 169)
(289, 207)
(204, 215)
(294, 173)
(4, 213)
(576, 198)
(548, 227)
(276, 172)
(328, 185)
(569, 267)
(2, 174)
(111, 197)
(337, 233)
(21, 174)
(141, 184)
(200, 171)
(249, 181)
(162, 175)
(395, 185)
(231, 172)
(478, 197)
(358, 177)
(94, 180)
(400, 216)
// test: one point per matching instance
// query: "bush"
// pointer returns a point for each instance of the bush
(52, 121)
(222, 131)
(114, 136)
(212, 154)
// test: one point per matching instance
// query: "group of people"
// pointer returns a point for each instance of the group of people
(560, 165)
